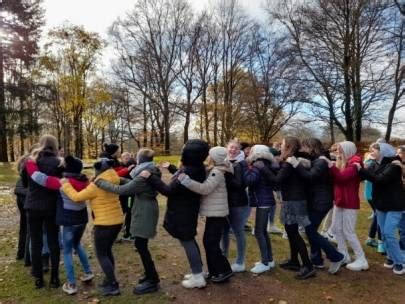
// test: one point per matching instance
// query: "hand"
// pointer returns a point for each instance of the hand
(259, 164)
(131, 167)
(145, 174)
(165, 164)
(181, 176)
(293, 161)
(330, 163)
(64, 181)
(397, 163)
(358, 166)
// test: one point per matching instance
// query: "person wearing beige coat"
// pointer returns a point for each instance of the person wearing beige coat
(214, 206)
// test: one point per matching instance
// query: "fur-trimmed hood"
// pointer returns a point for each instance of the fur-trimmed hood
(260, 152)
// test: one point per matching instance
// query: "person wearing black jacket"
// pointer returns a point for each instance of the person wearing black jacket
(389, 199)
(294, 207)
(238, 205)
(320, 201)
(183, 205)
(40, 205)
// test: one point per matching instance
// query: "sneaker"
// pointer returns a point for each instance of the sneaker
(371, 242)
(39, 283)
(335, 266)
(189, 275)
(331, 237)
(319, 266)
(289, 265)
(358, 265)
(389, 264)
(195, 281)
(87, 277)
(347, 259)
(285, 236)
(238, 267)
(222, 277)
(381, 247)
(54, 282)
(260, 268)
(111, 290)
(272, 264)
(399, 269)
(274, 229)
(146, 287)
(126, 238)
(305, 273)
(253, 231)
(70, 289)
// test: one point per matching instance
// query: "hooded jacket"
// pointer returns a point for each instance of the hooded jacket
(260, 188)
(346, 183)
(387, 192)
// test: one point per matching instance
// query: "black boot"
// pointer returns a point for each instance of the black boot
(111, 289)
(54, 282)
(39, 283)
(305, 273)
(290, 265)
(146, 286)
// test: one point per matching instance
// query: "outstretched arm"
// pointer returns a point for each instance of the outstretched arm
(86, 194)
(135, 186)
(204, 188)
(50, 182)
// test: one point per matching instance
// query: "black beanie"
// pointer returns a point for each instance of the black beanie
(195, 151)
(73, 165)
(110, 149)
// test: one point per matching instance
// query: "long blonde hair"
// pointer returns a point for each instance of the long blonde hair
(20, 162)
(46, 142)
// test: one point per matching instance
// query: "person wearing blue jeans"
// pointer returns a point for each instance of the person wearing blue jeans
(388, 197)
(389, 222)
(71, 240)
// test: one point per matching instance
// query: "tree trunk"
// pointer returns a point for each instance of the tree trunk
(3, 118)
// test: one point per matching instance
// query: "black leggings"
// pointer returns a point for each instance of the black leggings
(104, 238)
(22, 235)
(37, 219)
(297, 245)
(141, 244)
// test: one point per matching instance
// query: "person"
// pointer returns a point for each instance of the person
(374, 229)
(72, 216)
(389, 200)
(107, 220)
(320, 201)
(401, 162)
(262, 189)
(214, 206)
(238, 206)
(346, 183)
(272, 227)
(40, 206)
(145, 215)
(181, 216)
(128, 163)
(293, 209)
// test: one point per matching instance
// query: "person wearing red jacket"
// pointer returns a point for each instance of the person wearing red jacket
(346, 182)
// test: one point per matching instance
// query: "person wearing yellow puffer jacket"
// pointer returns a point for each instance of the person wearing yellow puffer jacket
(107, 219)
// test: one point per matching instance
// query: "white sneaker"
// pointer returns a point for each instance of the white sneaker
(260, 268)
(253, 231)
(189, 275)
(274, 229)
(87, 277)
(272, 264)
(238, 267)
(358, 265)
(70, 289)
(195, 281)
(285, 236)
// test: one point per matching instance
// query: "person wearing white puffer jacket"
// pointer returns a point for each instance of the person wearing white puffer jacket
(214, 206)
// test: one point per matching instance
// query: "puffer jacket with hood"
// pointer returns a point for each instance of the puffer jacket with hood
(260, 188)
(214, 202)
(346, 181)
(387, 192)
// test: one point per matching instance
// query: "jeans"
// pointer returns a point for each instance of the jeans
(236, 220)
(217, 263)
(318, 242)
(141, 244)
(71, 240)
(272, 214)
(389, 222)
(104, 238)
(402, 231)
(262, 237)
(37, 220)
(193, 255)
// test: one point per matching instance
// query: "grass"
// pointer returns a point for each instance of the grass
(375, 286)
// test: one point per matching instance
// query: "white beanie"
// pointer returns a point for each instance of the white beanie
(349, 149)
(260, 151)
(218, 155)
